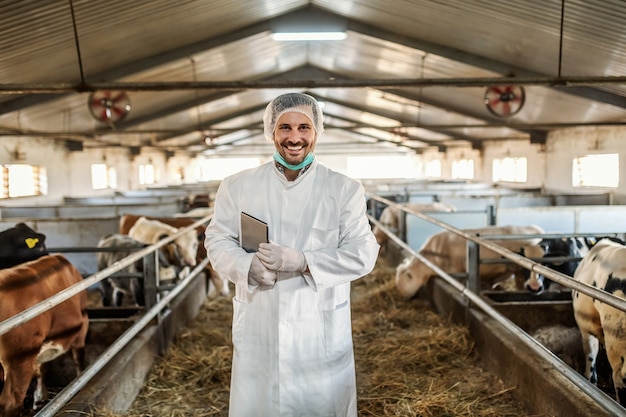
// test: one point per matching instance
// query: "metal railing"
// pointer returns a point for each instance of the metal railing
(152, 311)
(477, 301)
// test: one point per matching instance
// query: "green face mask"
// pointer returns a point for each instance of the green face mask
(278, 158)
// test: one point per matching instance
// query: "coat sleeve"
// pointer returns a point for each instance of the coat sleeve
(222, 239)
(357, 250)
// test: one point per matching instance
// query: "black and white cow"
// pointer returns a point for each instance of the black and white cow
(20, 244)
(574, 248)
(600, 324)
(118, 291)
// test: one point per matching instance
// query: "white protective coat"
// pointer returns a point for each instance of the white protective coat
(293, 352)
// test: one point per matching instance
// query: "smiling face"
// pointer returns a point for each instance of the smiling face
(294, 137)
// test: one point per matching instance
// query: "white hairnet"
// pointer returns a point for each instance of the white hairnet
(292, 102)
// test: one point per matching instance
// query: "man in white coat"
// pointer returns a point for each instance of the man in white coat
(292, 331)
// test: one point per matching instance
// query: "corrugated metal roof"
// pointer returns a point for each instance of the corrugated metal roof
(444, 43)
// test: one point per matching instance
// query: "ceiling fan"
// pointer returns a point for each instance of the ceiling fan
(109, 106)
(504, 100)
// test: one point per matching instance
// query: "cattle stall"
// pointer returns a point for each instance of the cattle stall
(93, 218)
(121, 346)
(501, 324)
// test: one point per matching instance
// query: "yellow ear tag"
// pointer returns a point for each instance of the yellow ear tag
(31, 242)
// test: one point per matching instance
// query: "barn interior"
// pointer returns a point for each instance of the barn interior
(176, 84)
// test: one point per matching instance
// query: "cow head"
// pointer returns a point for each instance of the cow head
(411, 274)
(21, 244)
(187, 247)
(566, 247)
(533, 281)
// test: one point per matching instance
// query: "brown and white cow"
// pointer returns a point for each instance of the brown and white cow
(448, 251)
(25, 349)
(600, 324)
(389, 217)
(220, 283)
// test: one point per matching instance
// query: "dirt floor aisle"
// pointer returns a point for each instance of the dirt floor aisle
(410, 362)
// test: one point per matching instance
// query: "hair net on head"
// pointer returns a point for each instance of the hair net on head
(292, 102)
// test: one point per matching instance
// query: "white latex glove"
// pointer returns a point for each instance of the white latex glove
(259, 275)
(281, 258)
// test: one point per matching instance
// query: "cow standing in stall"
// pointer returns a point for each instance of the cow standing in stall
(119, 291)
(448, 251)
(26, 349)
(600, 324)
(220, 284)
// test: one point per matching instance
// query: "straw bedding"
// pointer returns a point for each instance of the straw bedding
(410, 362)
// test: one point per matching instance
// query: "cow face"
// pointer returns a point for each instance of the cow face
(21, 244)
(561, 247)
(187, 248)
(533, 281)
(411, 274)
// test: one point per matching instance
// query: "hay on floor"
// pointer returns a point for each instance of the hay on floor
(410, 362)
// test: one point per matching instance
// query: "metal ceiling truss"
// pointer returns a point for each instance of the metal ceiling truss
(308, 77)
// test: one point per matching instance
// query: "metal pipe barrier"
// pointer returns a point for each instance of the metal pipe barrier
(573, 376)
(67, 393)
(69, 292)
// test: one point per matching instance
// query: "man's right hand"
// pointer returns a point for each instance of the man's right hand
(259, 275)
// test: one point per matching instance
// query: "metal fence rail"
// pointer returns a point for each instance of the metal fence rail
(153, 310)
(476, 301)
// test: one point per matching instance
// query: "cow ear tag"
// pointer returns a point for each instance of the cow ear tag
(31, 242)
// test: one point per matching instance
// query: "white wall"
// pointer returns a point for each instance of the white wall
(69, 172)
(564, 145)
(549, 165)
(534, 153)
(41, 152)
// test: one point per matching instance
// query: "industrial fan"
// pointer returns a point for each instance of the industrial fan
(504, 100)
(109, 106)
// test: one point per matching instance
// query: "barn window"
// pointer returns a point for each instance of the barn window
(433, 169)
(103, 177)
(463, 169)
(147, 174)
(21, 180)
(218, 169)
(392, 166)
(600, 170)
(509, 169)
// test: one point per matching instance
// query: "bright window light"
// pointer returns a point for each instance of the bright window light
(463, 169)
(103, 177)
(218, 169)
(509, 169)
(380, 167)
(433, 169)
(600, 170)
(147, 174)
(21, 180)
(309, 36)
